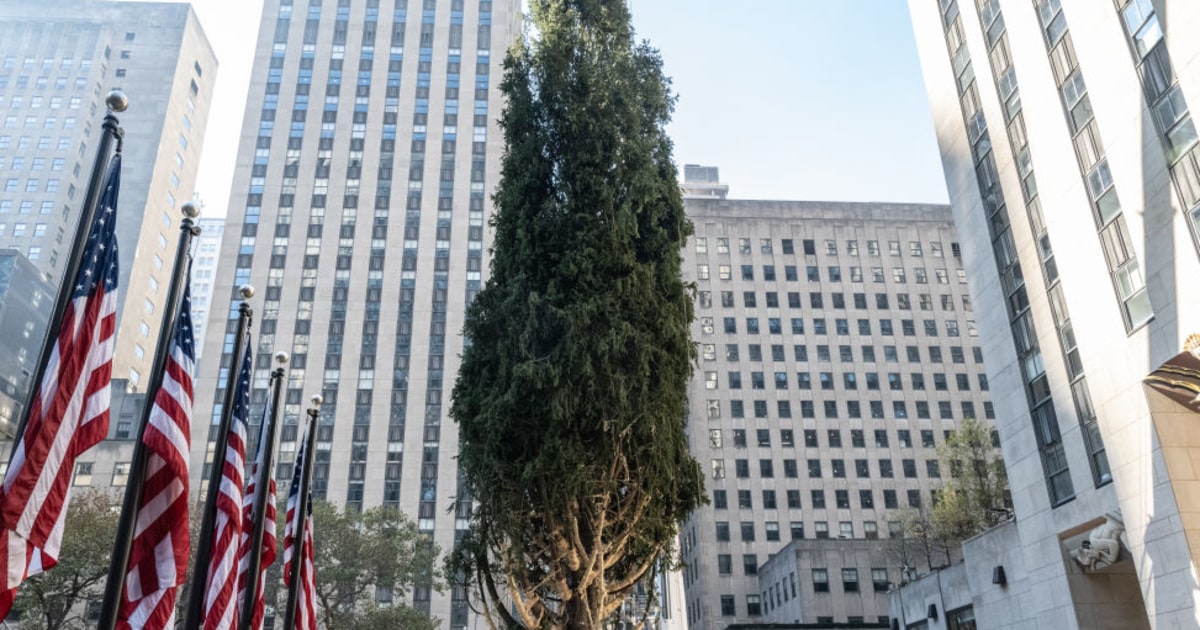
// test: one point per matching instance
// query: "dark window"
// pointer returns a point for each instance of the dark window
(820, 581)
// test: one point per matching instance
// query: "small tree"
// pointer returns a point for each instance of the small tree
(572, 395)
(922, 544)
(359, 552)
(975, 496)
(56, 599)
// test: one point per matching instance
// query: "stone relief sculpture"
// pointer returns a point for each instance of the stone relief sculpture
(1103, 544)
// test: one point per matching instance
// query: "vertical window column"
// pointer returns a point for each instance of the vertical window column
(1008, 266)
(996, 34)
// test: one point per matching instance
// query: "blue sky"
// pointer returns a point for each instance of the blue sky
(792, 99)
(799, 99)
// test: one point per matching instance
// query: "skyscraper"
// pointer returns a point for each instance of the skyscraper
(25, 304)
(837, 350)
(363, 273)
(58, 60)
(205, 266)
(1072, 166)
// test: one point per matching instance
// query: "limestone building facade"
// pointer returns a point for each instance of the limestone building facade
(368, 153)
(837, 349)
(1071, 162)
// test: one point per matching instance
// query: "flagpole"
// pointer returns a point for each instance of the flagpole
(110, 130)
(199, 582)
(126, 526)
(310, 445)
(260, 498)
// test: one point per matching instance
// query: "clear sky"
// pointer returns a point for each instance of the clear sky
(799, 99)
(792, 99)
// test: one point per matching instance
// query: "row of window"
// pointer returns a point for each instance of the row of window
(841, 326)
(791, 273)
(833, 438)
(35, 164)
(754, 608)
(19, 229)
(925, 301)
(31, 122)
(43, 143)
(783, 409)
(745, 501)
(845, 353)
(867, 353)
(895, 381)
(21, 82)
(830, 247)
(26, 207)
(48, 64)
(837, 467)
(53, 102)
(779, 593)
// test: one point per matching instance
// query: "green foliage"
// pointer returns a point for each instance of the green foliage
(374, 617)
(356, 552)
(55, 600)
(571, 398)
(976, 496)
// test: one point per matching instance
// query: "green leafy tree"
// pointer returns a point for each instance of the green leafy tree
(571, 399)
(357, 553)
(56, 599)
(378, 617)
(976, 496)
(922, 546)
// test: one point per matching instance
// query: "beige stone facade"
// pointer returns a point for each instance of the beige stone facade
(58, 60)
(837, 350)
(368, 154)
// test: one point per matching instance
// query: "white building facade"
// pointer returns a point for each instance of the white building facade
(1072, 168)
(206, 258)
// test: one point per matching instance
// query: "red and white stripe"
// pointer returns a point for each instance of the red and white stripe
(269, 541)
(306, 603)
(69, 415)
(158, 562)
(306, 600)
(220, 605)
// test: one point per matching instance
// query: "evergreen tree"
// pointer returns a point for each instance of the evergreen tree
(572, 396)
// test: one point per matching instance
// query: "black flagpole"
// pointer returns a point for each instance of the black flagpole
(199, 581)
(126, 526)
(310, 445)
(110, 130)
(262, 483)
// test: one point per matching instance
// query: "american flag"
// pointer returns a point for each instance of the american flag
(159, 557)
(69, 415)
(220, 605)
(268, 541)
(306, 600)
